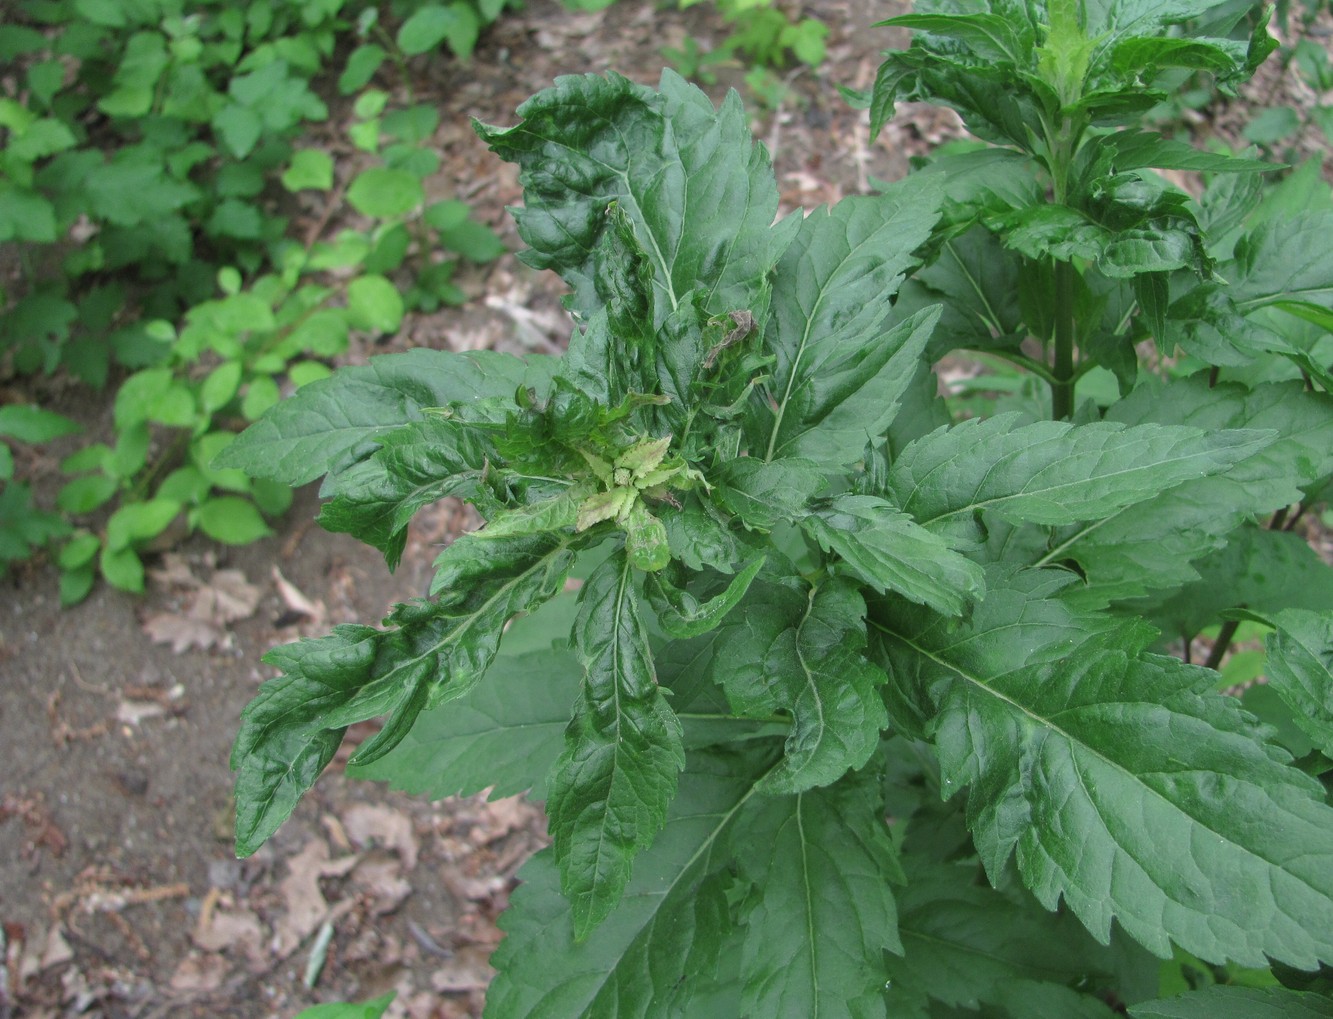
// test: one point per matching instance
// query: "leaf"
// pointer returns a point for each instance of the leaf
(232, 520)
(345, 1010)
(838, 374)
(433, 652)
(766, 493)
(886, 549)
(662, 940)
(505, 734)
(32, 424)
(385, 193)
(1120, 783)
(965, 943)
(415, 466)
(139, 521)
(329, 422)
(1052, 472)
(683, 616)
(1283, 261)
(612, 786)
(1221, 1002)
(434, 23)
(310, 168)
(374, 304)
(820, 863)
(802, 655)
(1300, 669)
(700, 195)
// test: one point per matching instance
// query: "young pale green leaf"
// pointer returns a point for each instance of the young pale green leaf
(701, 196)
(802, 655)
(886, 549)
(838, 374)
(657, 946)
(1119, 782)
(612, 786)
(1052, 472)
(504, 734)
(965, 944)
(683, 616)
(824, 915)
(32, 424)
(416, 465)
(1300, 669)
(347, 1010)
(1223, 1002)
(433, 652)
(332, 422)
(766, 493)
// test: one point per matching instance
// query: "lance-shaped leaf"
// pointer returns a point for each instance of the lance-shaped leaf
(1119, 782)
(800, 655)
(433, 652)
(414, 467)
(1229, 1002)
(1052, 472)
(330, 423)
(824, 914)
(1300, 668)
(700, 195)
(612, 786)
(504, 734)
(889, 551)
(839, 373)
(661, 942)
(965, 944)
(1284, 262)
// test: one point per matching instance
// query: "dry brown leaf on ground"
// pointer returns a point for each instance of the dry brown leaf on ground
(381, 882)
(199, 972)
(223, 930)
(227, 597)
(370, 824)
(306, 906)
(310, 613)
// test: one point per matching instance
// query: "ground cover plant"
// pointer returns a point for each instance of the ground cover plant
(839, 705)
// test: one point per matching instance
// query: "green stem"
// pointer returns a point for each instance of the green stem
(1062, 386)
(1023, 361)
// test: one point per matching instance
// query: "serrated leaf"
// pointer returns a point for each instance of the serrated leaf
(815, 939)
(657, 946)
(886, 549)
(612, 786)
(1052, 472)
(1300, 669)
(802, 655)
(1120, 783)
(838, 373)
(1220, 1002)
(328, 423)
(965, 944)
(292, 728)
(700, 195)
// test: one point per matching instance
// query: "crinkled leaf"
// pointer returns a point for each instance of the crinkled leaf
(802, 654)
(700, 194)
(764, 494)
(652, 951)
(886, 549)
(1300, 669)
(431, 653)
(824, 916)
(1120, 783)
(417, 465)
(682, 615)
(838, 373)
(332, 422)
(612, 786)
(1223, 1002)
(1052, 472)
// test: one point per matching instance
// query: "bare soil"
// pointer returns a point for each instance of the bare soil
(119, 892)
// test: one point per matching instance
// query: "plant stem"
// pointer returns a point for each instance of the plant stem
(1062, 385)
(1223, 642)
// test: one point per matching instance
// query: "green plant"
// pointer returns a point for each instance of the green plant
(763, 38)
(169, 136)
(872, 712)
(24, 527)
